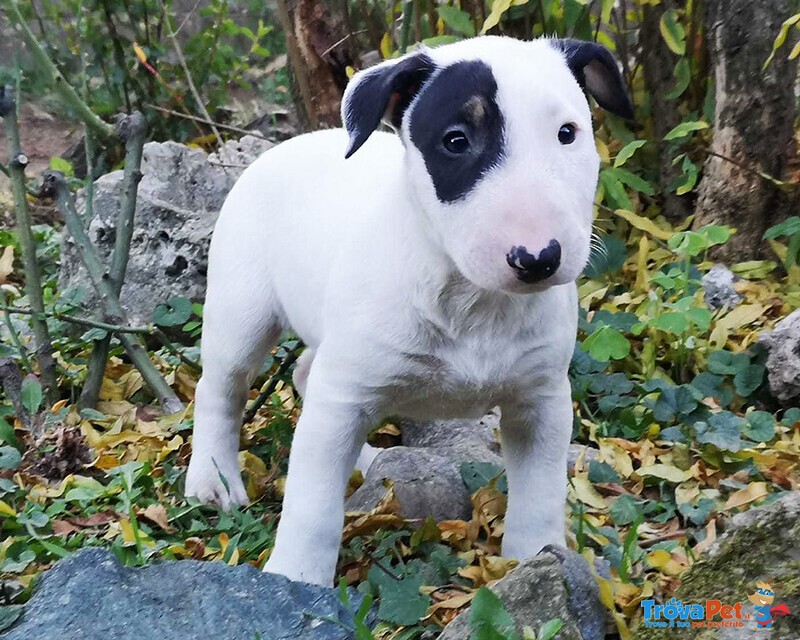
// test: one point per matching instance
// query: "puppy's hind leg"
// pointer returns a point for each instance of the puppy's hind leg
(239, 328)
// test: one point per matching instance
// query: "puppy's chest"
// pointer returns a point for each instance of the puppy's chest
(464, 378)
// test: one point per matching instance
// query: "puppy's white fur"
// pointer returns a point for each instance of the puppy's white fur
(407, 304)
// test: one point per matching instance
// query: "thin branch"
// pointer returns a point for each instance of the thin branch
(269, 389)
(662, 538)
(169, 346)
(84, 322)
(133, 130)
(147, 330)
(53, 78)
(781, 184)
(227, 127)
(33, 282)
(340, 41)
(55, 185)
(182, 61)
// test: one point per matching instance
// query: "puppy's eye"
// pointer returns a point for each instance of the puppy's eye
(566, 134)
(456, 142)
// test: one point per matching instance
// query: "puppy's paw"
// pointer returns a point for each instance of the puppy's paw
(213, 482)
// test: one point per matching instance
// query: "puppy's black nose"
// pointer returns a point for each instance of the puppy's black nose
(530, 268)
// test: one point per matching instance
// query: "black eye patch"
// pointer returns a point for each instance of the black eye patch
(462, 96)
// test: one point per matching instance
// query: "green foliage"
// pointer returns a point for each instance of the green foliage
(481, 474)
(31, 394)
(120, 55)
(489, 619)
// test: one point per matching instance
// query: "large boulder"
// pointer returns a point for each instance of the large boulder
(783, 363)
(556, 584)
(759, 545)
(91, 596)
(179, 198)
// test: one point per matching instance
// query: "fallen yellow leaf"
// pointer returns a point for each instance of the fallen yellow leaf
(644, 224)
(665, 472)
(584, 491)
(750, 493)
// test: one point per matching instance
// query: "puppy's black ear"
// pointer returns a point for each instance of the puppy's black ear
(596, 71)
(383, 91)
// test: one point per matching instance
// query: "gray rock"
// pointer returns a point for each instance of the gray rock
(760, 544)
(783, 363)
(91, 596)
(718, 287)
(461, 437)
(555, 584)
(426, 483)
(181, 193)
(426, 471)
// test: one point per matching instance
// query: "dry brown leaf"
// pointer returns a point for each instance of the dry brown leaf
(157, 514)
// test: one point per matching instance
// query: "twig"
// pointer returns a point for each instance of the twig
(33, 282)
(229, 166)
(85, 322)
(182, 61)
(133, 130)
(781, 184)
(53, 78)
(667, 536)
(148, 330)
(186, 17)
(269, 389)
(54, 185)
(227, 127)
(340, 41)
(169, 346)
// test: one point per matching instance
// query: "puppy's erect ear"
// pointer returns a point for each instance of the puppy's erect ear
(382, 91)
(596, 71)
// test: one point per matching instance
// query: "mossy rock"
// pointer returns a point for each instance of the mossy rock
(762, 544)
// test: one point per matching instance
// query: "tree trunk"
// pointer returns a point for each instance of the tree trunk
(658, 63)
(320, 47)
(753, 121)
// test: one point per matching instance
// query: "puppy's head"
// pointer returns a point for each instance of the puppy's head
(500, 151)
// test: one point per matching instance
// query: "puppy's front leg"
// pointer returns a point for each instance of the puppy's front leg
(536, 432)
(329, 434)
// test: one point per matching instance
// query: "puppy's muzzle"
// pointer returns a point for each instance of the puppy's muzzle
(530, 268)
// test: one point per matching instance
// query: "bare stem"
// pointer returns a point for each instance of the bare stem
(33, 282)
(55, 185)
(182, 60)
(52, 76)
(148, 330)
(133, 130)
(269, 389)
(188, 116)
(84, 322)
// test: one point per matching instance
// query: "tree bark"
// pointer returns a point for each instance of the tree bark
(753, 122)
(320, 47)
(658, 63)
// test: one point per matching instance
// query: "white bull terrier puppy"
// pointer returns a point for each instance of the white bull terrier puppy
(431, 274)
